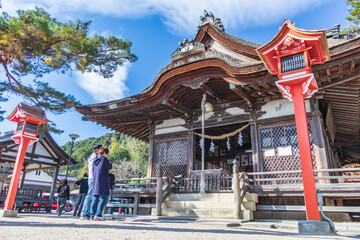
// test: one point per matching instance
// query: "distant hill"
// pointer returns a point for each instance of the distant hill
(128, 156)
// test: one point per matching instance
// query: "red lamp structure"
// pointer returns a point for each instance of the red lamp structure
(290, 55)
(28, 120)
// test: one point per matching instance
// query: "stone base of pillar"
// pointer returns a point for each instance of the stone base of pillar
(202, 183)
(8, 213)
(314, 227)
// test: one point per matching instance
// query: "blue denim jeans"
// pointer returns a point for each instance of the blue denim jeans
(96, 207)
(88, 199)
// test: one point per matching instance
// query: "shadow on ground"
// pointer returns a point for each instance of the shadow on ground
(139, 225)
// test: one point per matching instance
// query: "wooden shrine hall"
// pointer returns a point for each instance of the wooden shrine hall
(244, 96)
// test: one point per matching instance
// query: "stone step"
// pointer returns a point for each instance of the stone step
(203, 213)
(210, 197)
(198, 197)
(197, 213)
(206, 205)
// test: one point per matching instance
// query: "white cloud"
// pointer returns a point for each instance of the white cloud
(105, 89)
(181, 16)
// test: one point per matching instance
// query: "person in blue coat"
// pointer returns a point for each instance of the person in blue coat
(101, 184)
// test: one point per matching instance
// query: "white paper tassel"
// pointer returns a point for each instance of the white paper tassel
(228, 144)
(240, 140)
(212, 146)
(201, 144)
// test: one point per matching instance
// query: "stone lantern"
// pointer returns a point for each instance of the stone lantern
(290, 55)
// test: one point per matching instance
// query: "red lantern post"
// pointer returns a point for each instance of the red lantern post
(290, 55)
(28, 120)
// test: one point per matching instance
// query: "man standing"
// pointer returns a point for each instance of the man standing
(85, 214)
(84, 187)
(63, 195)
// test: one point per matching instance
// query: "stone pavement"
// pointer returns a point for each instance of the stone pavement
(46, 226)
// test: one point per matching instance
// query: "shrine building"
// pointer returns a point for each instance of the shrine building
(250, 120)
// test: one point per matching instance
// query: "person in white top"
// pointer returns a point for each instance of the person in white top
(85, 214)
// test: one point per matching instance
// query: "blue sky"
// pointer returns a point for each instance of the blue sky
(155, 27)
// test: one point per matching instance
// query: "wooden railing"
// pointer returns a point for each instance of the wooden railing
(134, 188)
(323, 176)
(136, 183)
(213, 183)
(24, 194)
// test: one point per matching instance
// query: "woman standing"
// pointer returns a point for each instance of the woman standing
(101, 184)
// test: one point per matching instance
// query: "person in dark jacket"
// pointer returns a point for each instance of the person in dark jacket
(63, 195)
(82, 194)
(85, 214)
(101, 184)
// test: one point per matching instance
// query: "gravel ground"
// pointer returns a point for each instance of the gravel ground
(43, 226)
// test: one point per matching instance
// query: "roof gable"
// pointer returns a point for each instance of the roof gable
(211, 37)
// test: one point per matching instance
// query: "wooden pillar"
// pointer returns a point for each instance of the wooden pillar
(255, 143)
(236, 189)
(151, 150)
(321, 158)
(159, 192)
(190, 152)
(53, 188)
(23, 177)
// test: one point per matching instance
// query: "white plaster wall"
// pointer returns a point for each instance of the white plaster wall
(170, 130)
(171, 123)
(235, 111)
(170, 126)
(279, 108)
(43, 177)
(207, 116)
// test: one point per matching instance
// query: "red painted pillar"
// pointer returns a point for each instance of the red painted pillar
(312, 211)
(11, 194)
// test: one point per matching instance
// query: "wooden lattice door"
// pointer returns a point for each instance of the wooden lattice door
(173, 156)
(280, 151)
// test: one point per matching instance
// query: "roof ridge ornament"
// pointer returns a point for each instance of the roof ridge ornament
(287, 21)
(208, 17)
(187, 45)
(334, 32)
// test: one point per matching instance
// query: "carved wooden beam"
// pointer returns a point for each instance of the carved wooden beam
(247, 88)
(138, 130)
(210, 92)
(241, 93)
(328, 73)
(351, 77)
(178, 107)
(145, 134)
(352, 65)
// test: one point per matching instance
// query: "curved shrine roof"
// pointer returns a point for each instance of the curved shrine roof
(208, 68)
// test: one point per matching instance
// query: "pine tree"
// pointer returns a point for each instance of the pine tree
(34, 43)
(354, 18)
